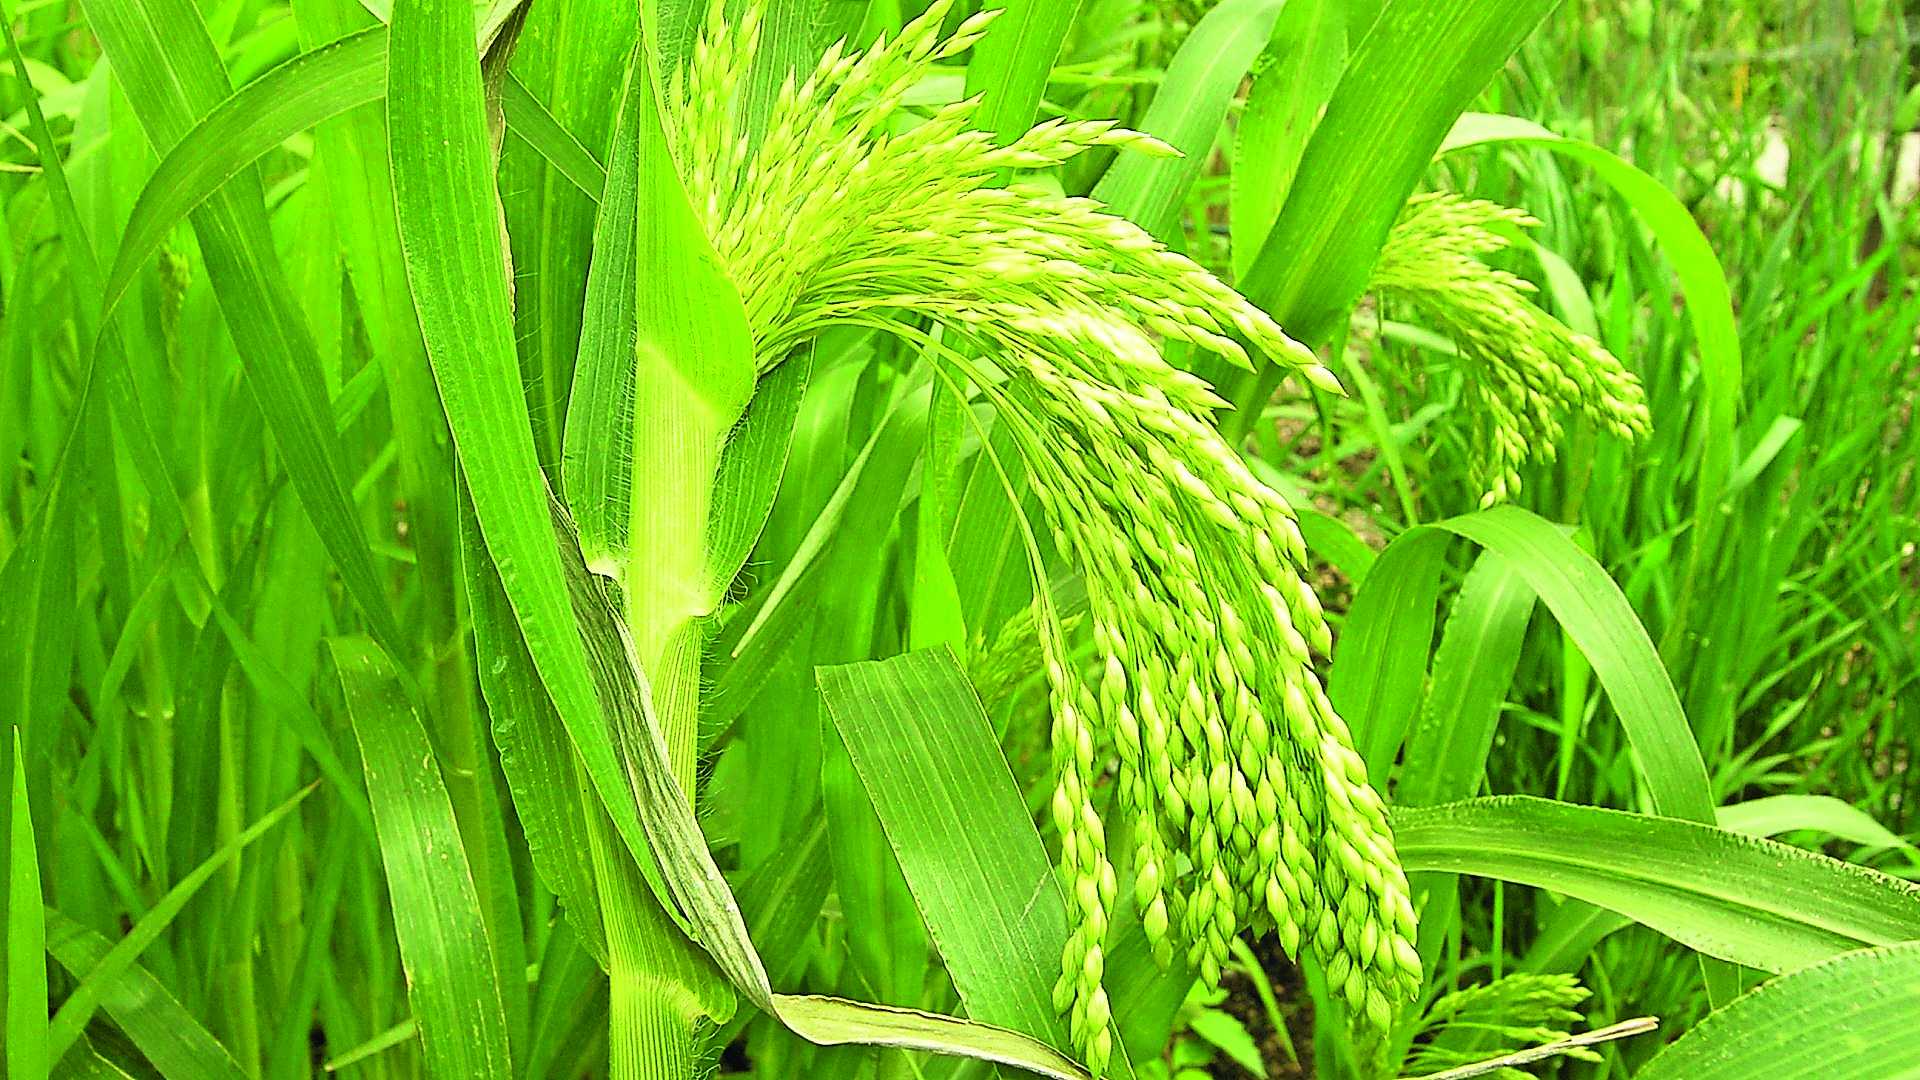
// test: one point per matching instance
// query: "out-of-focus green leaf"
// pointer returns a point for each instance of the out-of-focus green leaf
(174, 1042)
(1739, 898)
(26, 932)
(1775, 814)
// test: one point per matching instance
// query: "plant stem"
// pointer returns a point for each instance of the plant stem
(658, 977)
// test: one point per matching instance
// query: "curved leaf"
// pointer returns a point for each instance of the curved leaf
(1849, 1018)
(1595, 613)
(1381, 661)
(1775, 814)
(1186, 113)
(314, 86)
(1740, 898)
(1709, 308)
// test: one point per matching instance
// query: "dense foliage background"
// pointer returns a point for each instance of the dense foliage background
(237, 557)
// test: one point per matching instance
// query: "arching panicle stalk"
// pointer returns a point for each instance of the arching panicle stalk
(1248, 804)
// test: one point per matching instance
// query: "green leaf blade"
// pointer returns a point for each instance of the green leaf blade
(1739, 898)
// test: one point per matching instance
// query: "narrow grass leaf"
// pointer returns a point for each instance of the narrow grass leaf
(1335, 541)
(561, 101)
(1187, 112)
(26, 968)
(831, 1022)
(1472, 670)
(1293, 77)
(1739, 898)
(175, 1043)
(449, 227)
(1847, 1018)
(530, 120)
(451, 979)
(87, 997)
(313, 87)
(1011, 64)
(535, 755)
(174, 77)
(750, 469)
(1380, 661)
(1776, 814)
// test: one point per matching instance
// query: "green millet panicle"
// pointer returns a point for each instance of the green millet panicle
(1243, 801)
(1526, 368)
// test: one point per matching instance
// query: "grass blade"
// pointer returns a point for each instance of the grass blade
(175, 1044)
(452, 982)
(87, 997)
(1011, 64)
(1740, 898)
(1472, 670)
(449, 226)
(1187, 113)
(174, 77)
(1408, 80)
(312, 87)
(1292, 79)
(26, 968)
(927, 756)
(1593, 611)
(1380, 662)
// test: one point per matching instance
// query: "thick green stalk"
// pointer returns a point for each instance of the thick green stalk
(655, 1011)
(677, 436)
(676, 447)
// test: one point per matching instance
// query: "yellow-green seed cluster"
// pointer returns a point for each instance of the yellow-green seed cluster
(1240, 796)
(1527, 368)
